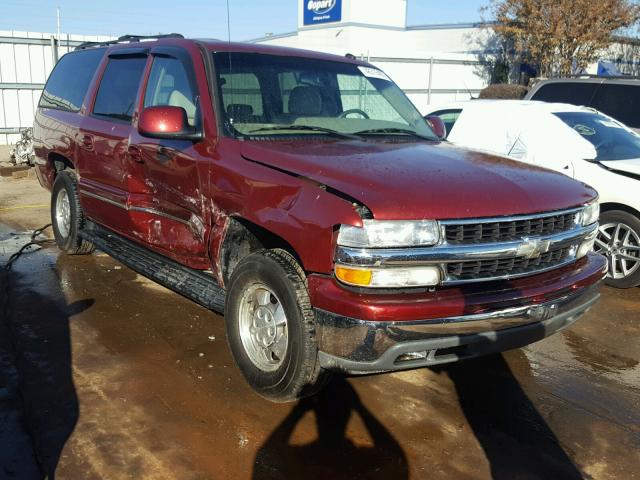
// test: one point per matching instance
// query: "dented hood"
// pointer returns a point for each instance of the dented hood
(419, 180)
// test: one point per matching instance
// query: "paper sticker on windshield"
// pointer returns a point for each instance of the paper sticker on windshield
(584, 130)
(609, 123)
(374, 73)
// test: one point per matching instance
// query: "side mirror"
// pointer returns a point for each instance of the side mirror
(437, 125)
(167, 122)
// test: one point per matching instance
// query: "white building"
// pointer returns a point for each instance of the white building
(431, 63)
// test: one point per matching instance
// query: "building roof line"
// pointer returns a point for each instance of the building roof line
(442, 26)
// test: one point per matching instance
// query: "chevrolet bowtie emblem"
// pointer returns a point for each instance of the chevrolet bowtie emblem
(533, 248)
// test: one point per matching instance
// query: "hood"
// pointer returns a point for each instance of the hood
(631, 166)
(420, 180)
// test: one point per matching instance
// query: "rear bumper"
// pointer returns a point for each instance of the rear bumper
(358, 346)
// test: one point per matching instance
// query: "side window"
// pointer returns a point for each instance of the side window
(170, 84)
(621, 102)
(357, 93)
(70, 79)
(576, 93)
(448, 117)
(116, 96)
(242, 97)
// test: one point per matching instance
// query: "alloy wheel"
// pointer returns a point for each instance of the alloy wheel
(621, 245)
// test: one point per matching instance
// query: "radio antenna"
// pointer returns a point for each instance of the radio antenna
(229, 119)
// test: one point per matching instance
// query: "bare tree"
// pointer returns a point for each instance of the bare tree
(561, 37)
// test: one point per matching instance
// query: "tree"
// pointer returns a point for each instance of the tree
(561, 37)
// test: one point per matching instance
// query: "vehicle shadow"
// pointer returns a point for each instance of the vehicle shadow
(332, 454)
(36, 371)
(517, 441)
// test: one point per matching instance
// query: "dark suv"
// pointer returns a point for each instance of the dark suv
(303, 195)
(618, 97)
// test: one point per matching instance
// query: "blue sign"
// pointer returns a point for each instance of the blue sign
(321, 11)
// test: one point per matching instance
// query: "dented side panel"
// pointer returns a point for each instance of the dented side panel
(300, 212)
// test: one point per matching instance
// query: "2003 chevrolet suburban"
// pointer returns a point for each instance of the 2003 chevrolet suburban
(303, 195)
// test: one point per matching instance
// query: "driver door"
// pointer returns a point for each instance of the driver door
(173, 208)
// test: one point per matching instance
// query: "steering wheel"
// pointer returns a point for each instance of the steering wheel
(353, 110)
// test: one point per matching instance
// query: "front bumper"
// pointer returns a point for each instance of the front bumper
(360, 347)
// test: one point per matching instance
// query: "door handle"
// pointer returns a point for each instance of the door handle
(87, 142)
(135, 153)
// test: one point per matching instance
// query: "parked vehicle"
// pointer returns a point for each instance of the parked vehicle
(582, 143)
(618, 97)
(304, 195)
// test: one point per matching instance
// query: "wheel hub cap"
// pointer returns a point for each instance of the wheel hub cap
(263, 327)
(63, 213)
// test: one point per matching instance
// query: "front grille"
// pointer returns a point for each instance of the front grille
(511, 229)
(504, 267)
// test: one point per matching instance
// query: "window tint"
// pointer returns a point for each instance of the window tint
(576, 93)
(70, 79)
(621, 102)
(170, 84)
(116, 96)
(448, 117)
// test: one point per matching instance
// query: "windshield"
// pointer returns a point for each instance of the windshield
(611, 139)
(269, 94)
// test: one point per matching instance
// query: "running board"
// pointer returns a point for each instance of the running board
(193, 284)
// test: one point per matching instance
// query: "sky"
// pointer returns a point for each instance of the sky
(198, 18)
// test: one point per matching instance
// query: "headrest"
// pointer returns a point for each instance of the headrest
(305, 101)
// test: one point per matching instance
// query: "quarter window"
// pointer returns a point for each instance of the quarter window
(70, 79)
(118, 89)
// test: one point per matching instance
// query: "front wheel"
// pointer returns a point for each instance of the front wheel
(271, 327)
(619, 240)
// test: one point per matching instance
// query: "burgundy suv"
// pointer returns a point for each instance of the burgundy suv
(304, 196)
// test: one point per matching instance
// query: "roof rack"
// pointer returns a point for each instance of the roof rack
(608, 77)
(127, 39)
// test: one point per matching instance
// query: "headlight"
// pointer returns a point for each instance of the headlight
(389, 277)
(391, 233)
(590, 213)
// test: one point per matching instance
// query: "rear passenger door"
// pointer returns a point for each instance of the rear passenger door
(108, 174)
(173, 203)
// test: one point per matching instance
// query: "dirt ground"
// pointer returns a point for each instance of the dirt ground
(106, 375)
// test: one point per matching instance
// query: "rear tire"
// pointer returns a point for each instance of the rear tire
(619, 240)
(67, 217)
(271, 327)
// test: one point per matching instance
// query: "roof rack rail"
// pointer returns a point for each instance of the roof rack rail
(592, 75)
(127, 39)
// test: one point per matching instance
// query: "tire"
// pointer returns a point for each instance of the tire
(265, 286)
(67, 233)
(623, 272)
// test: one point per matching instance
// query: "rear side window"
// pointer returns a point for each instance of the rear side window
(621, 102)
(576, 93)
(116, 96)
(70, 79)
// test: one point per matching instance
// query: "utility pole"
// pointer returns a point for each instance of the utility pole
(55, 42)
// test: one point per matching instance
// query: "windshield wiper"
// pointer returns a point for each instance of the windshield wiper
(404, 131)
(307, 128)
